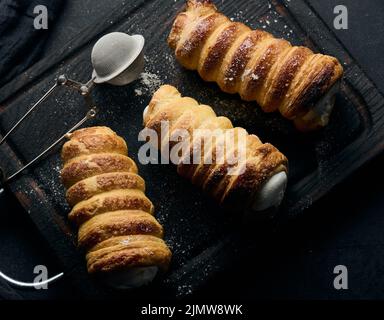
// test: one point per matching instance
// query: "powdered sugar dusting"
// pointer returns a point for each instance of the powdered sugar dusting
(149, 82)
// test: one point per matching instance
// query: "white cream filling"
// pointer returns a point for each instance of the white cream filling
(271, 193)
(131, 278)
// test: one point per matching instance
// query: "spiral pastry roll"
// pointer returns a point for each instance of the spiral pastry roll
(257, 66)
(117, 229)
(257, 179)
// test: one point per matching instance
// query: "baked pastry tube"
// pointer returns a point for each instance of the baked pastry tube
(117, 229)
(257, 66)
(256, 180)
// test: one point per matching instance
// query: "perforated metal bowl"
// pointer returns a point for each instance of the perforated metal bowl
(118, 58)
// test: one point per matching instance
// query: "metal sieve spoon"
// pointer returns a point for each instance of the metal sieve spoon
(117, 58)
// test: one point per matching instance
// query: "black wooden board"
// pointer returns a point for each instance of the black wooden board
(203, 238)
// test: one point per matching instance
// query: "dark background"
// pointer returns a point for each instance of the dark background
(345, 227)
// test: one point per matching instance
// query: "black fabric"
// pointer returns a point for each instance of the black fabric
(20, 43)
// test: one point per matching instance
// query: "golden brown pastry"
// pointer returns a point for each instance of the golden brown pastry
(257, 66)
(116, 225)
(116, 253)
(261, 177)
